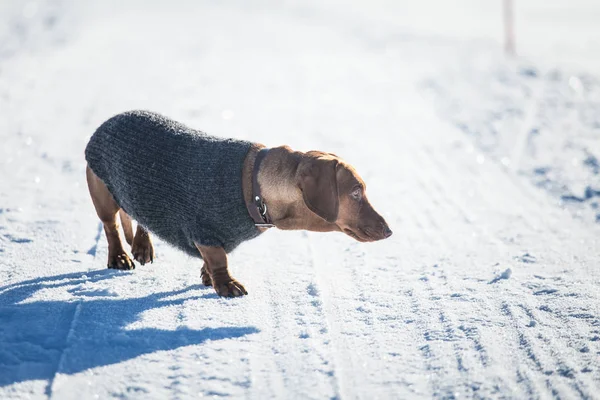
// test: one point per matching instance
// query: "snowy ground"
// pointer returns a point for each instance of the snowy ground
(488, 288)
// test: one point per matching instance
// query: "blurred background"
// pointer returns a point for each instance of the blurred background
(309, 68)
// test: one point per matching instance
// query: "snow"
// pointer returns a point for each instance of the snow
(488, 287)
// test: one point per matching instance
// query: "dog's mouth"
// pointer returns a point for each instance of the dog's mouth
(367, 234)
(362, 238)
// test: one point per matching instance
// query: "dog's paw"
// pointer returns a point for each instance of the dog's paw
(206, 280)
(120, 261)
(142, 250)
(230, 289)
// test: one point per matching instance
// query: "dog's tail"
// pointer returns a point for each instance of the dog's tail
(127, 226)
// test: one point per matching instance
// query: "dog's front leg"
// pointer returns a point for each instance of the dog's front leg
(215, 260)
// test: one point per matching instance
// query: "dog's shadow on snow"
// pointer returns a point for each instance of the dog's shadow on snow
(40, 338)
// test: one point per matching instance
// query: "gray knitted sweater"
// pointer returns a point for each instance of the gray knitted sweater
(179, 183)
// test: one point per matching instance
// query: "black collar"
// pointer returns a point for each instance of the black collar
(257, 207)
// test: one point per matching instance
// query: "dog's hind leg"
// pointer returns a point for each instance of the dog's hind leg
(107, 209)
(127, 226)
(141, 244)
(142, 248)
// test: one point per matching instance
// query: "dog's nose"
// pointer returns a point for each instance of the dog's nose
(387, 232)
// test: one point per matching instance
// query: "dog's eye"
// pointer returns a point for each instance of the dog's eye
(356, 194)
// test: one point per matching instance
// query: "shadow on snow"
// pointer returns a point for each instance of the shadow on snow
(39, 338)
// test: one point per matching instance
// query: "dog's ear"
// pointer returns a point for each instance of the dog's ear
(318, 182)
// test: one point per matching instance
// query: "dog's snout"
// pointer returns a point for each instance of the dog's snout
(375, 227)
(387, 232)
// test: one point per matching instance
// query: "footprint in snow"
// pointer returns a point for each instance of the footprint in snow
(80, 291)
(15, 239)
(545, 291)
(504, 275)
(526, 258)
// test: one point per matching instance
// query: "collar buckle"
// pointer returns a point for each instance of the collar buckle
(258, 208)
(262, 211)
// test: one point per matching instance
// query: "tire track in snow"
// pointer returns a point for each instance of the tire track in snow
(528, 123)
(321, 303)
(429, 358)
(441, 333)
(450, 207)
(529, 355)
(560, 363)
(59, 367)
(266, 375)
(51, 382)
(368, 313)
(432, 321)
(561, 306)
(432, 338)
(428, 346)
(298, 337)
(92, 251)
(467, 345)
(342, 358)
(542, 345)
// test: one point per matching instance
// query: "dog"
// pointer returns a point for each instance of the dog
(205, 195)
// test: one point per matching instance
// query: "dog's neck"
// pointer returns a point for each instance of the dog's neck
(277, 177)
(247, 173)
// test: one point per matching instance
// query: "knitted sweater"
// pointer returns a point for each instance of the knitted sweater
(179, 183)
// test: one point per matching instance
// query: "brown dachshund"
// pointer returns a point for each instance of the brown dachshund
(315, 191)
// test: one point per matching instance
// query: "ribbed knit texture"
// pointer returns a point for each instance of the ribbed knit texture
(179, 183)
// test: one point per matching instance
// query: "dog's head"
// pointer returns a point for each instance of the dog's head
(333, 191)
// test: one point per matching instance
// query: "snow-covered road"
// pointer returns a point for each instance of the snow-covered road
(487, 289)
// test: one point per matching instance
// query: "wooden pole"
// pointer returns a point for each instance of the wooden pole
(509, 28)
